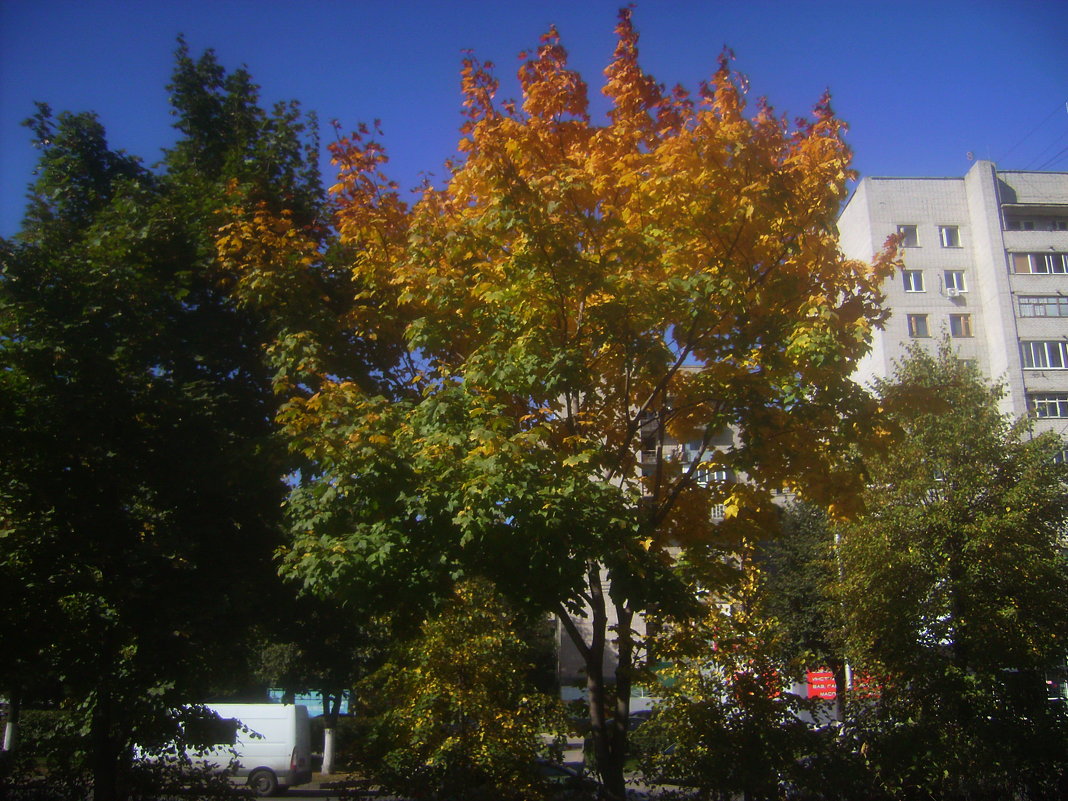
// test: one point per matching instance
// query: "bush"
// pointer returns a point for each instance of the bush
(451, 714)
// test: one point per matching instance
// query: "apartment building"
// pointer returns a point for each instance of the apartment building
(986, 262)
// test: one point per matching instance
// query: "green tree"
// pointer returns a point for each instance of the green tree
(802, 572)
(324, 648)
(727, 724)
(140, 485)
(954, 591)
(451, 713)
(575, 295)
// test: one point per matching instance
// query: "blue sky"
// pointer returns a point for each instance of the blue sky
(921, 84)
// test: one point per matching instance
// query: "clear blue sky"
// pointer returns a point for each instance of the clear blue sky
(921, 83)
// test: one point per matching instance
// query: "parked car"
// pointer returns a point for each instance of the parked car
(266, 747)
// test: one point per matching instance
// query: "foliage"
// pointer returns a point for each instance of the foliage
(800, 573)
(573, 293)
(954, 592)
(326, 648)
(51, 763)
(139, 480)
(727, 723)
(452, 714)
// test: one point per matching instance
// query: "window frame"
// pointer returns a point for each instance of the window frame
(1055, 401)
(949, 236)
(1045, 347)
(958, 283)
(704, 476)
(963, 328)
(1058, 303)
(918, 326)
(910, 278)
(910, 235)
(1040, 263)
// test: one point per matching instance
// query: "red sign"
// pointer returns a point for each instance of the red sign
(821, 684)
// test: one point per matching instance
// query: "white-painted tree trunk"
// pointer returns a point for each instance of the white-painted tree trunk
(12, 724)
(328, 750)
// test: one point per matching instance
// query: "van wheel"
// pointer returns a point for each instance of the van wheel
(263, 782)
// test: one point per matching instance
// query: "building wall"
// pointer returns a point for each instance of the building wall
(996, 217)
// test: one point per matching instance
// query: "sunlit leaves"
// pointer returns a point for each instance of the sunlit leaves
(450, 714)
(572, 277)
(575, 300)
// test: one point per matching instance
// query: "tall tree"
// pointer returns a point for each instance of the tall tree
(954, 591)
(574, 298)
(140, 483)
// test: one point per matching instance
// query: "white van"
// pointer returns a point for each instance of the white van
(270, 745)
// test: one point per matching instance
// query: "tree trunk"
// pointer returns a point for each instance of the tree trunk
(619, 733)
(609, 740)
(11, 725)
(331, 710)
(328, 748)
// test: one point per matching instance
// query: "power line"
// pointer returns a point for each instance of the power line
(1032, 131)
(1063, 151)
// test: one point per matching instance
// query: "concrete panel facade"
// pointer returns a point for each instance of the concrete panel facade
(986, 261)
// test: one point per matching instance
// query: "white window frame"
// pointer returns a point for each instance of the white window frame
(1046, 263)
(1044, 354)
(706, 475)
(1043, 305)
(954, 280)
(913, 280)
(910, 236)
(1054, 263)
(960, 326)
(918, 327)
(949, 236)
(1050, 405)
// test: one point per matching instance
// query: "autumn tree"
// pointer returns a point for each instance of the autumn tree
(140, 484)
(576, 297)
(450, 714)
(953, 591)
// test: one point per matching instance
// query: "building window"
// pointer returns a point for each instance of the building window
(1040, 263)
(909, 238)
(1050, 355)
(1043, 306)
(913, 280)
(949, 236)
(954, 282)
(1051, 405)
(918, 326)
(960, 325)
(705, 476)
